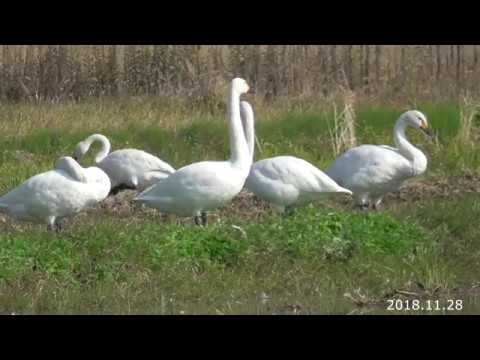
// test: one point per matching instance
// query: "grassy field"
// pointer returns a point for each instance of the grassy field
(325, 259)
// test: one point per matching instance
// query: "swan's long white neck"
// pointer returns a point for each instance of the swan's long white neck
(413, 154)
(239, 154)
(248, 128)
(105, 146)
(73, 168)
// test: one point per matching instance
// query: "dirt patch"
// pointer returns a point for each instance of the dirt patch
(24, 156)
(413, 191)
(449, 188)
(414, 290)
(245, 206)
(248, 207)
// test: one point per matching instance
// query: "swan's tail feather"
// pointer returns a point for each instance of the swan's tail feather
(149, 199)
(141, 199)
(164, 171)
(344, 191)
(152, 183)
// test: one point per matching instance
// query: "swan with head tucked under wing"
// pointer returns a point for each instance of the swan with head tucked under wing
(371, 171)
(50, 196)
(194, 189)
(127, 168)
(285, 181)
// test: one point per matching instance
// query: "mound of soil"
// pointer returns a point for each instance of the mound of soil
(247, 206)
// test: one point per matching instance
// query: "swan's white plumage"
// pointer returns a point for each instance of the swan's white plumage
(198, 187)
(132, 167)
(206, 185)
(289, 181)
(64, 191)
(371, 171)
(284, 181)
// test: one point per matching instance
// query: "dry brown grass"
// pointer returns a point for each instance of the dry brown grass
(469, 129)
(198, 72)
(343, 134)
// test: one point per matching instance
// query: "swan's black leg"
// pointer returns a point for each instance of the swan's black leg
(363, 207)
(204, 218)
(55, 227)
(58, 226)
(197, 220)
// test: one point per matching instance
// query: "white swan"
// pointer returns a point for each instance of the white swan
(127, 168)
(50, 196)
(284, 181)
(371, 171)
(194, 189)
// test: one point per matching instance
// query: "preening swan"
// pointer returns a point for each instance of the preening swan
(127, 168)
(371, 171)
(50, 196)
(284, 181)
(206, 185)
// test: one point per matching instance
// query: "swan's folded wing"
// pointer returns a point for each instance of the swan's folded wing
(140, 160)
(327, 184)
(158, 165)
(369, 166)
(303, 175)
(147, 199)
(198, 178)
(152, 177)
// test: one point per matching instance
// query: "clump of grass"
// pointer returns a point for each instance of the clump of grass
(343, 133)
(469, 110)
(457, 152)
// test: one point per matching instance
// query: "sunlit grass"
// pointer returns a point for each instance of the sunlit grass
(106, 264)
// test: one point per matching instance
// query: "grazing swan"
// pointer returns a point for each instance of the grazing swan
(194, 189)
(284, 181)
(127, 168)
(371, 171)
(50, 196)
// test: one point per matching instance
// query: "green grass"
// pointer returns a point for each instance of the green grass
(301, 133)
(113, 253)
(107, 264)
(311, 234)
